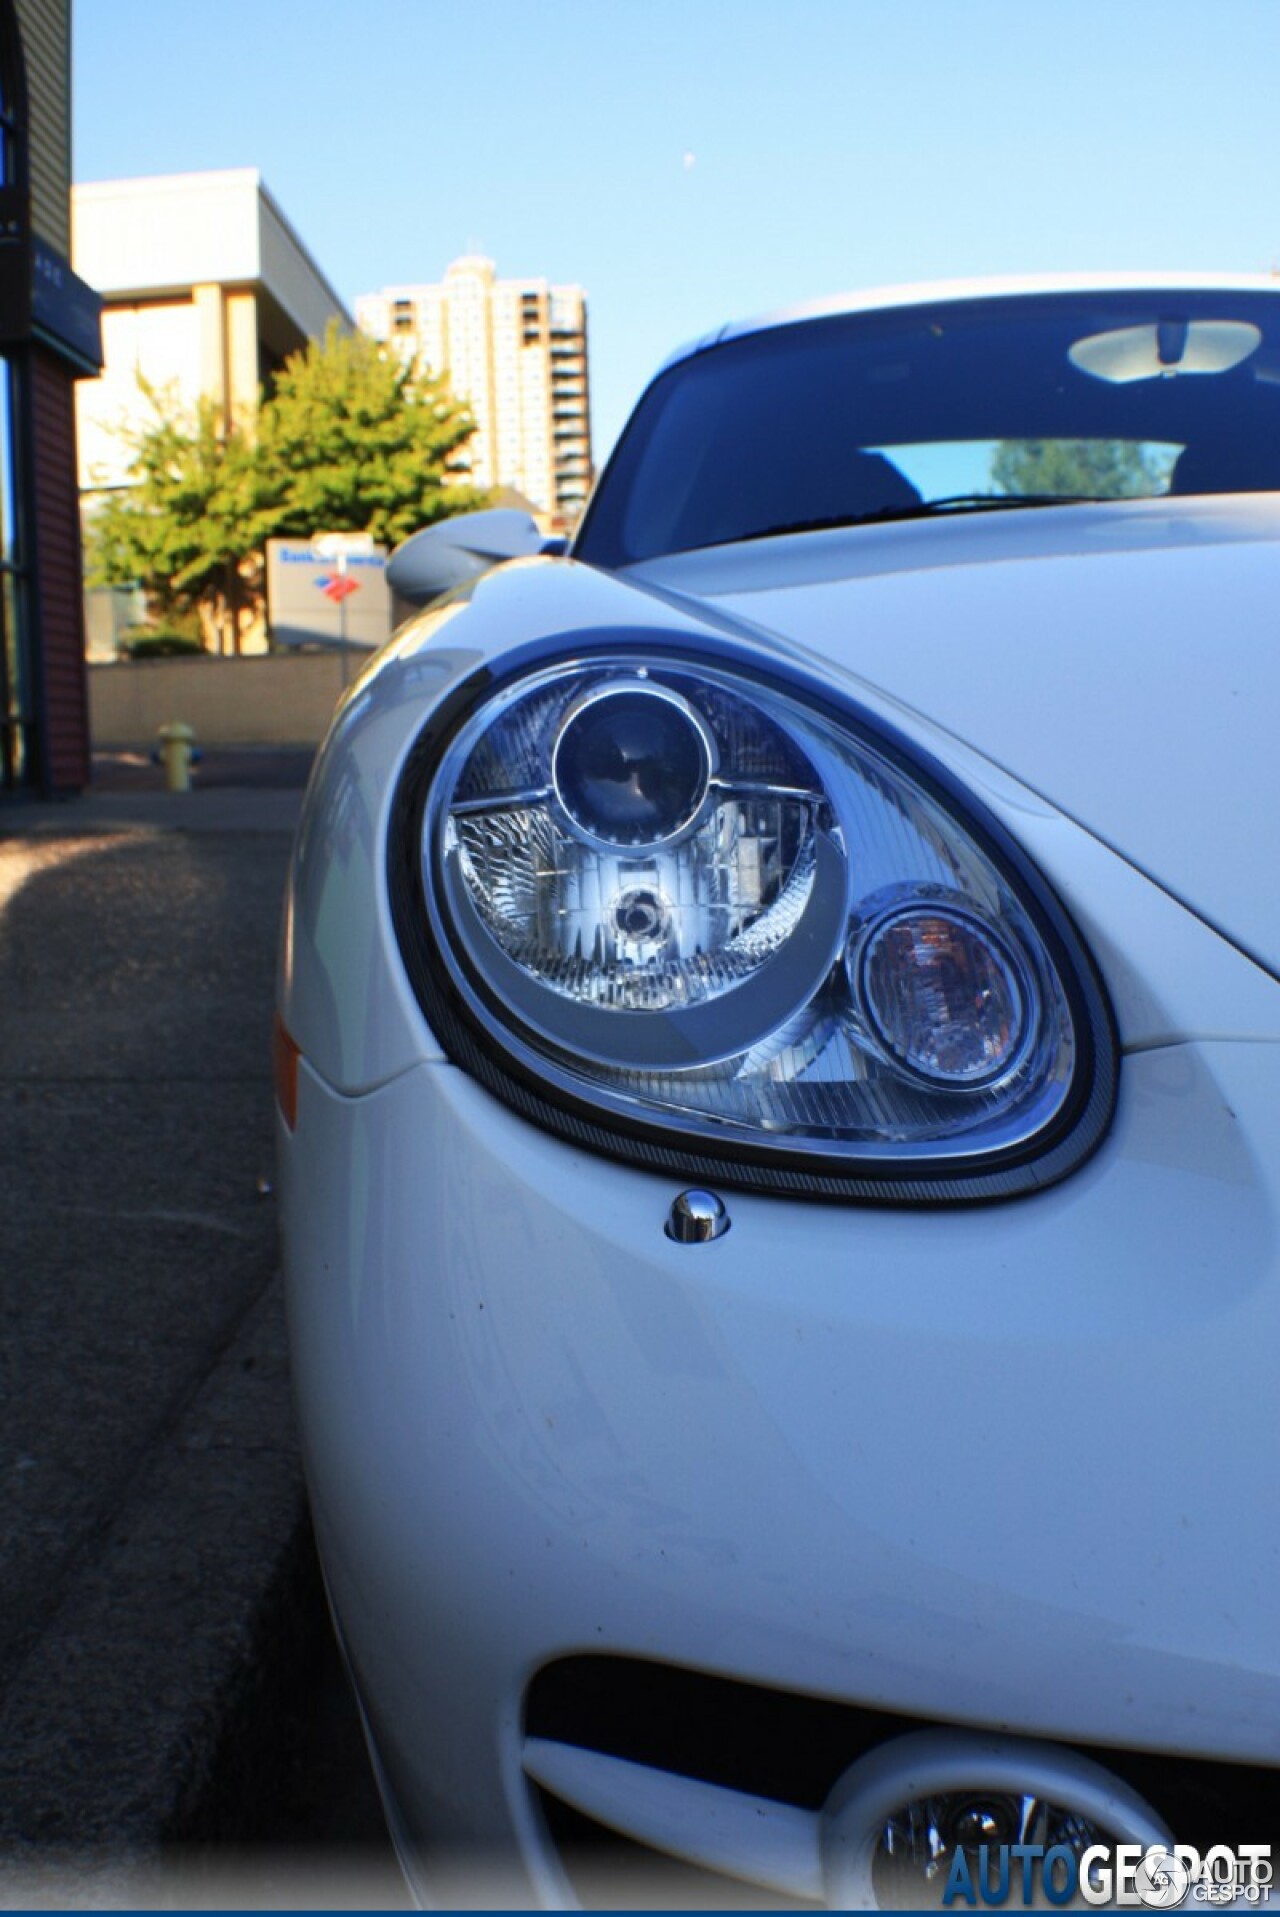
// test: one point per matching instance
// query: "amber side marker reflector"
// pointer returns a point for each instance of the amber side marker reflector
(284, 1060)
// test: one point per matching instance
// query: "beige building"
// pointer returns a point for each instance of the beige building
(516, 351)
(206, 291)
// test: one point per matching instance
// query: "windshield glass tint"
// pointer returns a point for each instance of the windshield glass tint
(972, 406)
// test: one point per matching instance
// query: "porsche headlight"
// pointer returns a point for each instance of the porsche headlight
(717, 923)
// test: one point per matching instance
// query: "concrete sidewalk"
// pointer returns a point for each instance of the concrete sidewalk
(247, 791)
(151, 1510)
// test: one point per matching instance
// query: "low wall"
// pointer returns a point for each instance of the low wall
(279, 699)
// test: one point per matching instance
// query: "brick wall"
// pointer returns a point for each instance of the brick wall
(45, 26)
(56, 573)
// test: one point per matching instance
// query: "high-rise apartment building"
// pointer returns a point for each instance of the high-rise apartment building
(516, 351)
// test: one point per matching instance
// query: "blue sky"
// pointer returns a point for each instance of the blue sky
(687, 161)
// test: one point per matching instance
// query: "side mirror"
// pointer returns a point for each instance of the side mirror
(454, 551)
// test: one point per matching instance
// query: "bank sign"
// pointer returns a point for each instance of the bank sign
(330, 592)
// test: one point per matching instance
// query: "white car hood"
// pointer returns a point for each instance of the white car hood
(1120, 660)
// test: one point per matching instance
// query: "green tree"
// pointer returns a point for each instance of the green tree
(355, 440)
(1088, 468)
(350, 440)
(181, 529)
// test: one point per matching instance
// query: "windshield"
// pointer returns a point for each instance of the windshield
(970, 406)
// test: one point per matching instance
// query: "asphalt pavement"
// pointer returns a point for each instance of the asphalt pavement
(159, 1606)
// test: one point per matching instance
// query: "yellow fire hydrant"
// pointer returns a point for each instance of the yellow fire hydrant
(176, 754)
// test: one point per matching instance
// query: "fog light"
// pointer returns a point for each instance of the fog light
(895, 1823)
(921, 1839)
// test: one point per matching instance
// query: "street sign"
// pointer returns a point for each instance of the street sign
(328, 591)
(331, 544)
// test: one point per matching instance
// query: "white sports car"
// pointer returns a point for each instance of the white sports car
(780, 1090)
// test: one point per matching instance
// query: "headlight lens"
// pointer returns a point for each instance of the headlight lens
(666, 900)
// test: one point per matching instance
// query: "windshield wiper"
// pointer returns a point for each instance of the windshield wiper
(927, 509)
(989, 502)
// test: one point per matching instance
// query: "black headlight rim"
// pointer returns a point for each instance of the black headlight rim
(1053, 1153)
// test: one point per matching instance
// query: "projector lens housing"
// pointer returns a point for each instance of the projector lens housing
(631, 763)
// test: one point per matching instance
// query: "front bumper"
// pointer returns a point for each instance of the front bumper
(1008, 1466)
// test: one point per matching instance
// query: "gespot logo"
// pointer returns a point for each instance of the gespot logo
(1154, 1877)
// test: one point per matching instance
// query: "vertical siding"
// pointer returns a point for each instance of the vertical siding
(45, 26)
(56, 573)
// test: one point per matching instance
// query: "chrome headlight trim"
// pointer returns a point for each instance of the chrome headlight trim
(505, 1032)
